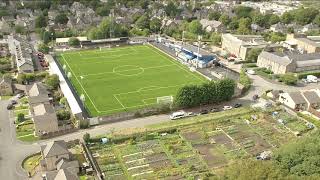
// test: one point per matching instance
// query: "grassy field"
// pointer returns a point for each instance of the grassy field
(124, 78)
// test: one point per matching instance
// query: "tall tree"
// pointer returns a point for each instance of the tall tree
(195, 27)
(41, 21)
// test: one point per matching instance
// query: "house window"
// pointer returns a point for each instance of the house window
(57, 157)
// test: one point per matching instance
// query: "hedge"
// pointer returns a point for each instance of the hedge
(305, 74)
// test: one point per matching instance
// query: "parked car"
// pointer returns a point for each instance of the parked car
(13, 102)
(251, 72)
(204, 111)
(214, 110)
(177, 115)
(190, 114)
(20, 95)
(255, 97)
(226, 108)
(268, 104)
(10, 106)
(237, 105)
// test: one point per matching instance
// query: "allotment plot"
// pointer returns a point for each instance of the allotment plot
(112, 80)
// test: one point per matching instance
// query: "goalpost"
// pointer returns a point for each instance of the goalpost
(105, 48)
(163, 100)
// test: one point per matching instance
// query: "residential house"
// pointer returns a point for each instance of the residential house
(279, 27)
(52, 13)
(240, 45)
(44, 118)
(42, 111)
(82, 17)
(256, 28)
(310, 27)
(294, 100)
(6, 86)
(5, 27)
(312, 98)
(170, 23)
(52, 153)
(303, 43)
(212, 26)
(274, 94)
(37, 94)
(284, 62)
(186, 14)
(56, 163)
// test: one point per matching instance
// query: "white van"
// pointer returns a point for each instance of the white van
(177, 115)
(312, 79)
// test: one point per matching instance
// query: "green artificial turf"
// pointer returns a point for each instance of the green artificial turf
(125, 78)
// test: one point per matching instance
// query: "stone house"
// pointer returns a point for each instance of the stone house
(212, 26)
(56, 163)
(284, 62)
(293, 100)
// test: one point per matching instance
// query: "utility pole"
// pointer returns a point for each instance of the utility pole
(112, 23)
(183, 33)
(199, 44)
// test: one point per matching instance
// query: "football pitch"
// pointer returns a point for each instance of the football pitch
(113, 80)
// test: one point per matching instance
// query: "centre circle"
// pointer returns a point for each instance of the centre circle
(128, 70)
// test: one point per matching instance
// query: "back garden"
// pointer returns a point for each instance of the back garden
(196, 147)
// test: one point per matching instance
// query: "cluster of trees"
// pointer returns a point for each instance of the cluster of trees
(297, 160)
(253, 55)
(105, 27)
(52, 81)
(207, 93)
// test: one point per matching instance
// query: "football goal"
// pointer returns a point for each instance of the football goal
(165, 100)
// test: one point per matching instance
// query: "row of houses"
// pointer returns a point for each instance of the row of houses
(22, 51)
(41, 109)
(307, 100)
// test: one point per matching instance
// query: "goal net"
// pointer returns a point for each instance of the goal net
(105, 48)
(165, 100)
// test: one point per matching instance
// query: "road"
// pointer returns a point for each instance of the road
(12, 152)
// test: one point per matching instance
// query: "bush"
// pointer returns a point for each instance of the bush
(245, 80)
(249, 65)
(86, 138)
(63, 115)
(84, 124)
(289, 79)
(20, 117)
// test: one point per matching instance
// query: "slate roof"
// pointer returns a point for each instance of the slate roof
(312, 97)
(297, 98)
(54, 148)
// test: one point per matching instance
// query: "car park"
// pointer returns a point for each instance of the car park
(226, 108)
